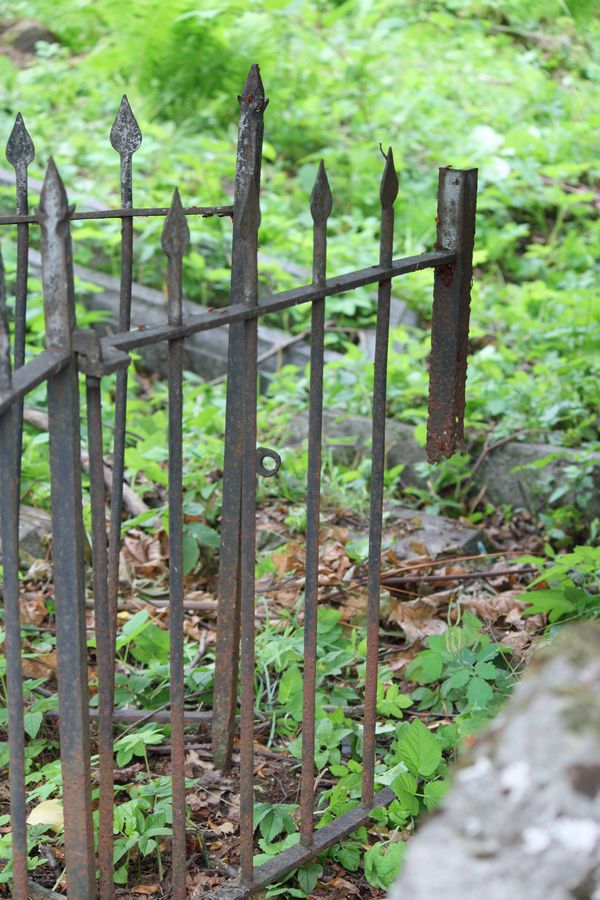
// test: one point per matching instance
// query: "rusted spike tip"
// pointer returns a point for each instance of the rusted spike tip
(19, 147)
(321, 200)
(389, 182)
(125, 134)
(175, 234)
(254, 88)
(53, 198)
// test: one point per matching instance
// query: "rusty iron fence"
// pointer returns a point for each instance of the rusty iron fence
(69, 352)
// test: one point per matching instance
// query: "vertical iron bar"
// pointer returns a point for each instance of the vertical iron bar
(457, 198)
(320, 207)
(125, 138)
(67, 532)
(103, 638)
(243, 275)
(20, 152)
(9, 508)
(388, 193)
(175, 239)
(249, 224)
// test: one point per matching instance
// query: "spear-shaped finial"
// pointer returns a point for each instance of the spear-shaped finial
(175, 234)
(321, 200)
(19, 147)
(54, 206)
(125, 134)
(389, 182)
(5, 378)
(253, 94)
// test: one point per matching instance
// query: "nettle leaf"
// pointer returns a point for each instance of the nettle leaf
(486, 670)
(291, 693)
(479, 693)
(308, 876)
(419, 749)
(425, 667)
(382, 863)
(434, 791)
(32, 722)
(405, 788)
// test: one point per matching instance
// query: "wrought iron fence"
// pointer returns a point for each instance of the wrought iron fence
(70, 351)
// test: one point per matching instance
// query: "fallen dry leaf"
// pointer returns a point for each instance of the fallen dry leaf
(44, 665)
(490, 607)
(418, 618)
(48, 812)
(33, 608)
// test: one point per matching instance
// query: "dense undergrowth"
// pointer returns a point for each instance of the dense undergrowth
(512, 88)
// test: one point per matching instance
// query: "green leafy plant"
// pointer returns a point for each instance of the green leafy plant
(574, 586)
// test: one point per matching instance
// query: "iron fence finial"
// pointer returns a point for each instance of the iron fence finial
(125, 134)
(54, 206)
(389, 182)
(253, 93)
(175, 234)
(19, 147)
(321, 199)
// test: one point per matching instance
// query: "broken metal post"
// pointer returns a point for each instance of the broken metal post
(457, 194)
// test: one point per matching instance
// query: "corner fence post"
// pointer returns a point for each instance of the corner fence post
(243, 290)
(457, 198)
(67, 546)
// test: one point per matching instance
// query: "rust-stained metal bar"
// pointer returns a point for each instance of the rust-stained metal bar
(126, 138)
(388, 194)
(67, 530)
(125, 212)
(103, 638)
(249, 225)
(457, 198)
(276, 302)
(9, 511)
(33, 373)
(288, 860)
(244, 294)
(175, 239)
(321, 203)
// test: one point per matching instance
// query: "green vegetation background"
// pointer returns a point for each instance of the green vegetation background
(512, 88)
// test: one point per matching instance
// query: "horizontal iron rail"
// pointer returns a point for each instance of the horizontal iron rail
(323, 838)
(237, 312)
(29, 376)
(125, 213)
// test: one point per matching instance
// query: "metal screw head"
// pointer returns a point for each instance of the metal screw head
(389, 182)
(19, 147)
(175, 234)
(125, 134)
(321, 200)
